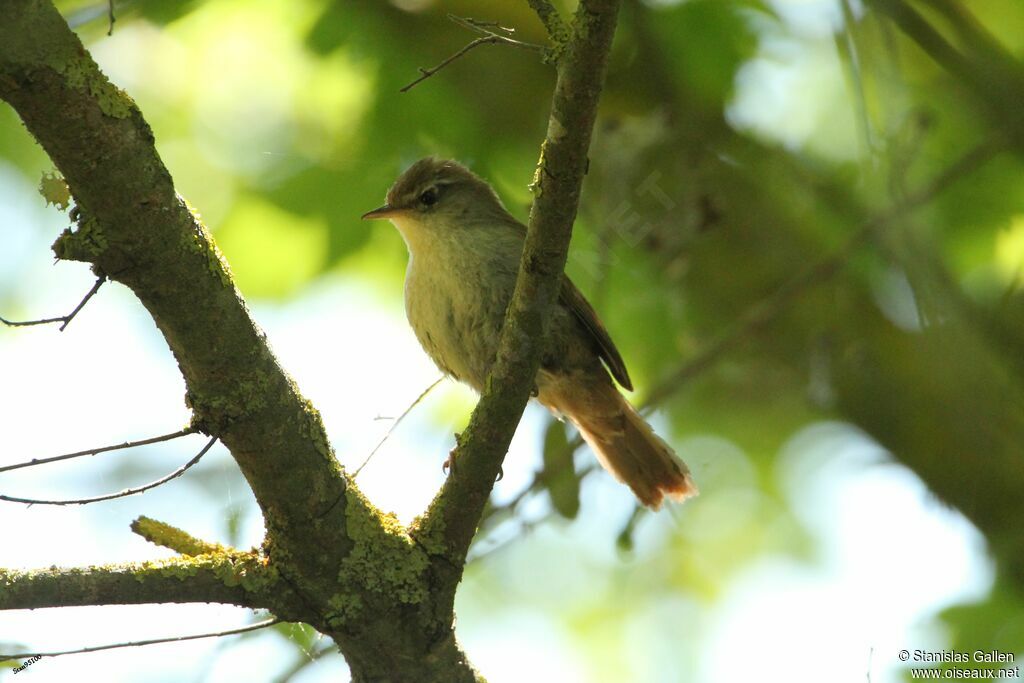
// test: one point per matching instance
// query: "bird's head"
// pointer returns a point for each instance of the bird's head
(438, 194)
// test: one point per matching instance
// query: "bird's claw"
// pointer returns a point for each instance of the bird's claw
(448, 466)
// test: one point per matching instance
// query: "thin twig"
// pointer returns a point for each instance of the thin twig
(139, 643)
(120, 494)
(489, 38)
(64, 319)
(110, 16)
(485, 27)
(394, 425)
(540, 478)
(97, 451)
(525, 527)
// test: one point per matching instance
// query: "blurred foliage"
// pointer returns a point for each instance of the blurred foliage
(560, 478)
(740, 145)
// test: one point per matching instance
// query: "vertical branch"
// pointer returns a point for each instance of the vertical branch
(454, 514)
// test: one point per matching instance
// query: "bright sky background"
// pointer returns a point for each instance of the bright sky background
(872, 589)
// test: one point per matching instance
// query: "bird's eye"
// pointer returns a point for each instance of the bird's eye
(429, 197)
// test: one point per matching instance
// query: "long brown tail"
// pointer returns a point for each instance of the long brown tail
(628, 448)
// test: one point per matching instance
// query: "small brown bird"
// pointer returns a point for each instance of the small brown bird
(464, 252)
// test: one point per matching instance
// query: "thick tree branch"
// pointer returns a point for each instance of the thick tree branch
(230, 578)
(134, 227)
(451, 521)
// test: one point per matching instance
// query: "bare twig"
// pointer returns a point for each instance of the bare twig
(394, 425)
(490, 37)
(64, 319)
(525, 527)
(485, 27)
(540, 478)
(120, 494)
(140, 643)
(111, 17)
(97, 451)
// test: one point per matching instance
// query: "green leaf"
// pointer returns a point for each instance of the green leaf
(559, 474)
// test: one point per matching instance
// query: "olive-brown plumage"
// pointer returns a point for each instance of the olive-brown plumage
(464, 251)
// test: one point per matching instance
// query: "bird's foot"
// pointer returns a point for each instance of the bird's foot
(448, 466)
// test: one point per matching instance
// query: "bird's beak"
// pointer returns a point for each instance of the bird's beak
(380, 212)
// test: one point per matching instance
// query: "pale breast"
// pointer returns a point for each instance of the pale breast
(455, 299)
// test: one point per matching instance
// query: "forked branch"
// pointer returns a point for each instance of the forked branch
(120, 494)
(493, 34)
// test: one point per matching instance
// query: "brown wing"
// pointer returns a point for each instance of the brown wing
(577, 303)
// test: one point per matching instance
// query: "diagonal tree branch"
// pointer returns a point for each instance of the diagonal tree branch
(133, 225)
(451, 521)
(331, 559)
